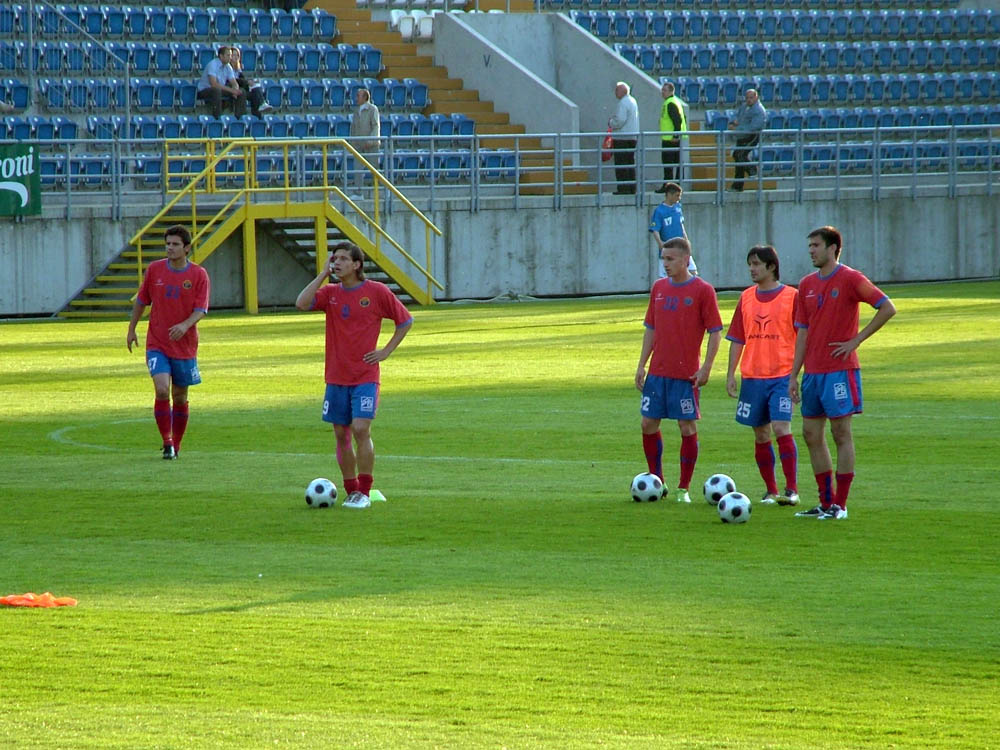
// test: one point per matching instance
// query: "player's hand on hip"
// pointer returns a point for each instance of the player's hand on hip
(375, 356)
(843, 348)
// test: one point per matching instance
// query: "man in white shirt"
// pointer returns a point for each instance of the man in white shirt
(219, 83)
(624, 124)
(365, 132)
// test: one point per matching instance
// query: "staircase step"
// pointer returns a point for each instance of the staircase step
(93, 314)
(99, 290)
(124, 304)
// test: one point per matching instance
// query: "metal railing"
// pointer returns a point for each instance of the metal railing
(477, 172)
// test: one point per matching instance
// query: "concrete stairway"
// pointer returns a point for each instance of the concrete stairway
(449, 95)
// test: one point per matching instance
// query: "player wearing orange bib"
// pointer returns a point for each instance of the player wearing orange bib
(762, 343)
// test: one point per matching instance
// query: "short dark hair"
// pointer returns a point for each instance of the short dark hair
(357, 255)
(672, 187)
(680, 243)
(830, 236)
(178, 230)
(767, 255)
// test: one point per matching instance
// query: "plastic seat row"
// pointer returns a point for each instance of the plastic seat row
(886, 89)
(793, 25)
(844, 118)
(180, 94)
(893, 157)
(66, 22)
(38, 127)
(164, 58)
(446, 130)
(710, 5)
(813, 57)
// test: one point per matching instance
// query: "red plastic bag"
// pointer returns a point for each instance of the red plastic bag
(607, 148)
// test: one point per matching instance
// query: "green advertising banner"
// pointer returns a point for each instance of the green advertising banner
(20, 187)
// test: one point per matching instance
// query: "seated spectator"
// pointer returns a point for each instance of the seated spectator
(218, 84)
(255, 92)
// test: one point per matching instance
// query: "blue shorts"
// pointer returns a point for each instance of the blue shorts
(669, 398)
(183, 372)
(832, 394)
(764, 400)
(342, 404)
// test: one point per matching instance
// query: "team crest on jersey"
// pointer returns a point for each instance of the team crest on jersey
(688, 301)
(835, 293)
(364, 302)
(187, 284)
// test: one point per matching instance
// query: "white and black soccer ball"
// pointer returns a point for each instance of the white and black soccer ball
(734, 508)
(716, 486)
(321, 493)
(647, 488)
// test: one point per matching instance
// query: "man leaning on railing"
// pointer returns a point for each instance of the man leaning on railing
(748, 123)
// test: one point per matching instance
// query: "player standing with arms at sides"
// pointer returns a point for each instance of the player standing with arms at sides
(355, 308)
(667, 222)
(681, 309)
(178, 290)
(762, 343)
(826, 317)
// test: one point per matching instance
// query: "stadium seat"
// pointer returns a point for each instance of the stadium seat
(284, 26)
(263, 23)
(350, 60)
(288, 58)
(416, 93)
(325, 25)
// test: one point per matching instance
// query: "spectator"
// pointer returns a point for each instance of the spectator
(254, 91)
(625, 126)
(219, 83)
(672, 124)
(365, 130)
(749, 122)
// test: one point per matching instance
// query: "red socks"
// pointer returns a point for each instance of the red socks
(824, 481)
(789, 455)
(161, 412)
(180, 420)
(843, 488)
(365, 482)
(764, 454)
(350, 485)
(652, 446)
(689, 457)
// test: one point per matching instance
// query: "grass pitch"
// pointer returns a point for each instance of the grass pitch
(508, 594)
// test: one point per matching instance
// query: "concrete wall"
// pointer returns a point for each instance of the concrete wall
(535, 250)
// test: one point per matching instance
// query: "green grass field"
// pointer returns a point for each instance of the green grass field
(508, 594)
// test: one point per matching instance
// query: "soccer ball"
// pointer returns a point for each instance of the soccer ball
(734, 508)
(716, 486)
(321, 493)
(647, 488)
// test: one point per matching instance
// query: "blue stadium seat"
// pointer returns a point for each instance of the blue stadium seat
(199, 24)
(416, 93)
(145, 128)
(690, 90)
(135, 22)
(371, 59)
(309, 58)
(314, 93)
(350, 59)
(329, 57)
(161, 58)
(220, 22)
(319, 126)
(185, 94)
(715, 120)
(284, 25)
(304, 23)
(710, 91)
(326, 24)
(169, 125)
(267, 59)
(273, 92)
(183, 55)
(204, 53)
(620, 26)
(178, 22)
(140, 57)
(263, 23)
(340, 125)
(288, 58)
(639, 21)
(336, 93)
(143, 95)
(157, 21)
(657, 25)
(51, 56)
(695, 25)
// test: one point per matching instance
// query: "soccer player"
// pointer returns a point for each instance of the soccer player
(667, 222)
(826, 317)
(762, 343)
(355, 308)
(681, 309)
(178, 291)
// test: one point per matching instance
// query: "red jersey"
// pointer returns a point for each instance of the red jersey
(174, 295)
(353, 323)
(828, 308)
(679, 314)
(763, 322)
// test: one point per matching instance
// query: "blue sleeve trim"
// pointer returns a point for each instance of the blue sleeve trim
(405, 323)
(879, 303)
(801, 325)
(714, 330)
(647, 325)
(735, 340)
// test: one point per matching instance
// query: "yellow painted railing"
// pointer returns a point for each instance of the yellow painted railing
(232, 169)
